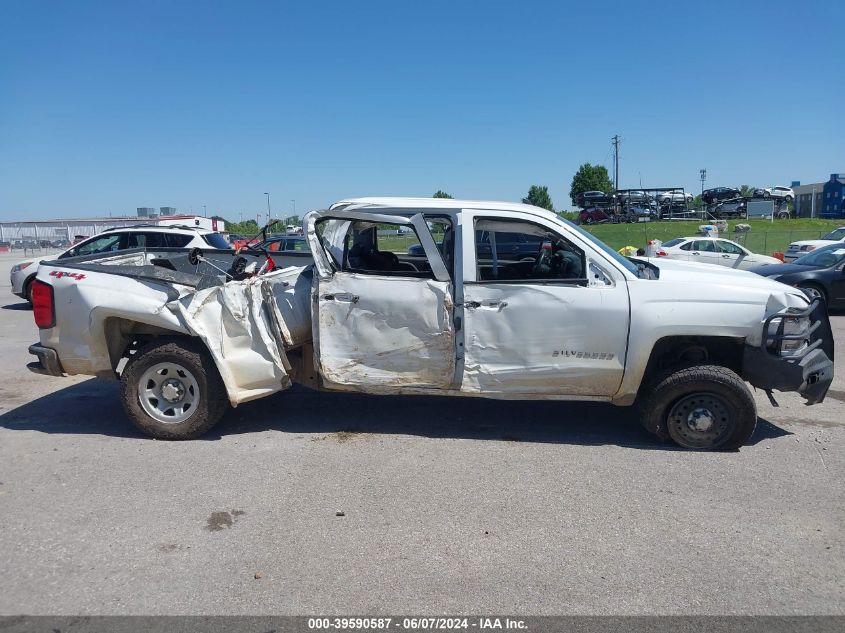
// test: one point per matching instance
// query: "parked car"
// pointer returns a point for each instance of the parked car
(666, 198)
(802, 247)
(639, 212)
(575, 321)
(281, 244)
(737, 208)
(638, 198)
(820, 273)
(711, 196)
(594, 216)
(590, 198)
(243, 242)
(779, 192)
(138, 236)
(713, 250)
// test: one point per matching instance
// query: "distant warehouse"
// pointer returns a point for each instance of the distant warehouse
(821, 199)
(75, 228)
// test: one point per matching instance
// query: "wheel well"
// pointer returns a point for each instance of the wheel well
(677, 351)
(28, 282)
(124, 337)
(816, 285)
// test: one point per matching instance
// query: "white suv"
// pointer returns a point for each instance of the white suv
(779, 192)
(138, 236)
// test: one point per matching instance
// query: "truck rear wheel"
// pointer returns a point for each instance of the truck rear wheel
(172, 391)
(705, 407)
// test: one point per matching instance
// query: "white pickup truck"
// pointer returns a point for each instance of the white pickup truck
(571, 320)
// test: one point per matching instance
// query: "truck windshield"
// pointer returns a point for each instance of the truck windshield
(627, 264)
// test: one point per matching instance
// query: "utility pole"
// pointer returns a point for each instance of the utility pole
(703, 174)
(615, 140)
(269, 215)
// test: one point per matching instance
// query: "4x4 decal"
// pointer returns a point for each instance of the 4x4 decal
(61, 273)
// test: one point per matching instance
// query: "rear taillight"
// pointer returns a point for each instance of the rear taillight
(42, 304)
(662, 254)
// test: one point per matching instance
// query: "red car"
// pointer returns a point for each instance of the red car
(593, 216)
(243, 242)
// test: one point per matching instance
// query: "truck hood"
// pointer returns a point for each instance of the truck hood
(708, 275)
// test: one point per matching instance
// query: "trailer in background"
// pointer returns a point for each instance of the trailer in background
(197, 221)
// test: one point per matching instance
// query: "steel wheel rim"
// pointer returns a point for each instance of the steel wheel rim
(168, 393)
(700, 420)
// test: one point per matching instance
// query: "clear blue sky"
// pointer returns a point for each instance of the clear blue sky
(108, 106)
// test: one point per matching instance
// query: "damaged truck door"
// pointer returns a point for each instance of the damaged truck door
(551, 319)
(382, 322)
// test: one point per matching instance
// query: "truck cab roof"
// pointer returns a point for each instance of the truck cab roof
(402, 206)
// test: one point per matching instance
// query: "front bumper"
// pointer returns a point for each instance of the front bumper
(48, 361)
(809, 373)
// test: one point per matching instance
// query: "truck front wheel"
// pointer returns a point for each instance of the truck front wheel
(172, 391)
(705, 407)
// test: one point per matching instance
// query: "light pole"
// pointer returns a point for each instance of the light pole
(204, 213)
(269, 215)
(703, 174)
(287, 220)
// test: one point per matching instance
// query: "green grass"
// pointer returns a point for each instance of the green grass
(764, 237)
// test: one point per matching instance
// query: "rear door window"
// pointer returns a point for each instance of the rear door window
(705, 246)
(216, 240)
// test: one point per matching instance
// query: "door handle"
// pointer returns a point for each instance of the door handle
(726, 256)
(342, 296)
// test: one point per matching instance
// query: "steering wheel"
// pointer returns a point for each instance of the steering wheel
(541, 259)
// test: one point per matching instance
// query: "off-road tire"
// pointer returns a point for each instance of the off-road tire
(212, 404)
(704, 384)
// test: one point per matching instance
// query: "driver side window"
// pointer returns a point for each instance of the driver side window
(101, 244)
(523, 251)
(727, 247)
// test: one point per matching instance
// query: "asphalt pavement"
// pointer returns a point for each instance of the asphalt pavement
(308, 503)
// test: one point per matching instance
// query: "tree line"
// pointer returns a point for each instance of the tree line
(587, 178)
